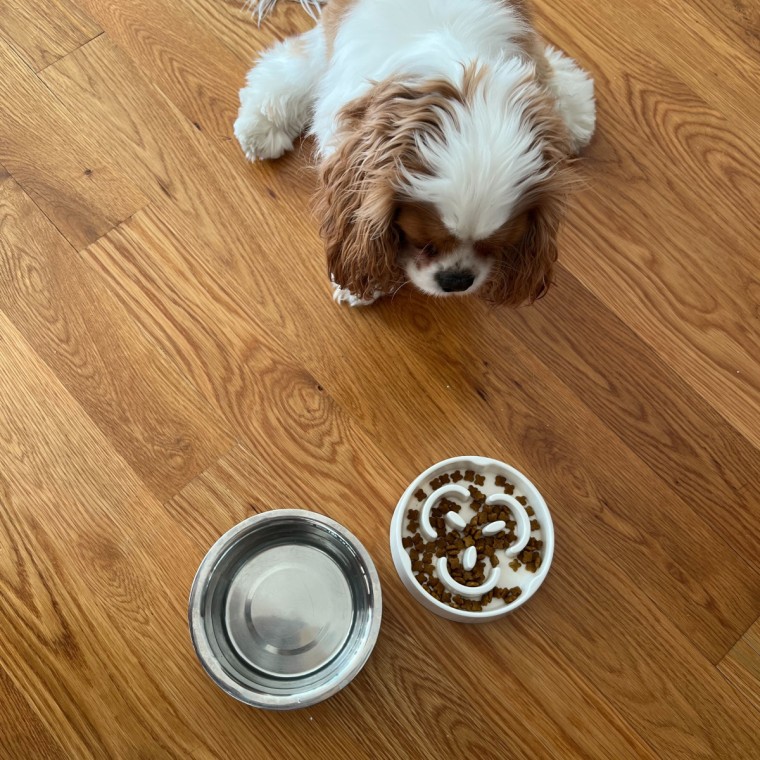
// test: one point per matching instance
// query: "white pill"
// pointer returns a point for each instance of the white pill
(493, 528)
(454, 521)
(470, 558)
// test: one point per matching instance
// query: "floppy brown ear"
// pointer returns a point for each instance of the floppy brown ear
(525, 270)
(537, 251)
(357, 195)
(356, 206)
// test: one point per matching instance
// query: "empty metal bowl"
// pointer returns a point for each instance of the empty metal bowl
(285, 609)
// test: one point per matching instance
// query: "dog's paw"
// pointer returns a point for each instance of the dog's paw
(260, 138)
(344, 295)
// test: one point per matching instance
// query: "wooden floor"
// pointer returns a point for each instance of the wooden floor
(171, 362)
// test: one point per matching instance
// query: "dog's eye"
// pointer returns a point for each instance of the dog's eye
(429, 251)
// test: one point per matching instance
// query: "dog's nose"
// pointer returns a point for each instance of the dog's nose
(454, 280)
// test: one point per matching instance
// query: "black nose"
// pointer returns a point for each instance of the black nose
(454, 280)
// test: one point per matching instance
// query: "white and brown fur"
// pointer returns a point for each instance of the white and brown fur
(445, 134)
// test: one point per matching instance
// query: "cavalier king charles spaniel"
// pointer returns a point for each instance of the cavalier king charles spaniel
(445, 134)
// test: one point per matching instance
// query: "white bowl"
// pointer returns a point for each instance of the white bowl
(527, 581)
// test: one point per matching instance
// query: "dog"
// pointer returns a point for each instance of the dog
(446, 133)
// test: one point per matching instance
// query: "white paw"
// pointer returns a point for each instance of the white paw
(259, 137)
(574, 90)
(343, 295)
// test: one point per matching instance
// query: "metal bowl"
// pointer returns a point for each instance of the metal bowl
(285, 609)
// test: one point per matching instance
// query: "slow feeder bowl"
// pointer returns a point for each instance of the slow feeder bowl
(527, 529)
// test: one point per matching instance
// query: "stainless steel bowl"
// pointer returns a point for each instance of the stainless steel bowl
(285, 609)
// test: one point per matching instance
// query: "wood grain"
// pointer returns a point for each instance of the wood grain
(39, 146)
(154, 418)
(677, 38)
(42, 34)
(680, 714)
(277, 415)
(186, 53)
(736, 20)
(137, 127)
(123, 258)
(68, 566)
(88, 591)
(187, 369)
(22, 733)
(664, 234)
(680, 437)
(429, 711)
(176, 281)
(741, 666)
(582, 484)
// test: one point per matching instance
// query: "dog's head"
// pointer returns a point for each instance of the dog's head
(456, 187)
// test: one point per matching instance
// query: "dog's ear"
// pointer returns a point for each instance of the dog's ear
(356, 206)
(357, 199)
(523, 272)
(536, 252)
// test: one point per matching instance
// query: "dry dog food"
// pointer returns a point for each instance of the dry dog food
(487, 545)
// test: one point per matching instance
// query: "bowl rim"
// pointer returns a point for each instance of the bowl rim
(203, 649)
(405, 573)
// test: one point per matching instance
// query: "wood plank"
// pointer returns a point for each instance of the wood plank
(117, 607)
(678, 578)
(393, 689)
(40, 147)
(71, 511)
(620, 412)
(711, 64)
(645, 102)
(94, 591)
(192, 51)
(682, 708)
(22, 733)
(153, 417)
(142, 131)
(137, 127)
(736, 21)
(712, 352)
(700, 332)
(667, 209)
(601, 512)
(42, 35)
(632, 390)
(741, 666)
(696, 716)
(238, 26)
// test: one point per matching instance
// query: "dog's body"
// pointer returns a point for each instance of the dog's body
(445, 131)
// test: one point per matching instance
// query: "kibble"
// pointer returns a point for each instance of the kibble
(450, 544)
